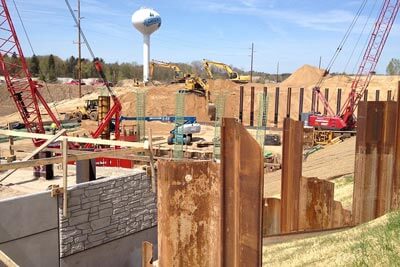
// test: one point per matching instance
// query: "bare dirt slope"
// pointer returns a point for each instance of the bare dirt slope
(160, 100)
(332, 161)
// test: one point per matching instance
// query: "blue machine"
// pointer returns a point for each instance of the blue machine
(180, 134)
(188, 119)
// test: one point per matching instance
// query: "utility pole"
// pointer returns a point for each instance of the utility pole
(320, 60)
(79, 50)
(251, 65)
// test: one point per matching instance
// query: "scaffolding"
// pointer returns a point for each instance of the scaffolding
(220, 112)
(179, 121)
(262, 119)
(140, 114)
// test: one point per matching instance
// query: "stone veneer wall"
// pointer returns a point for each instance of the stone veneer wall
(107, 209)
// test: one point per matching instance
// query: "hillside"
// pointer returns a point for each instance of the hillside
(376, 243)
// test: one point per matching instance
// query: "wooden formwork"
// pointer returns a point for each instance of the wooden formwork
(375, 160)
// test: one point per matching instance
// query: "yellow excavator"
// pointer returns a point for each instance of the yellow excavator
(232, 75)
(193, 83)
(179, 76)
(199, 86)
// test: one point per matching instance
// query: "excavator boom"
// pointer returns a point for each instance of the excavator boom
(179, 76)
(232, 75)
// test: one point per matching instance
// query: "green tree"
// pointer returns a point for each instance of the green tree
(71, 64)
(393, 68)
(52, 69)
(34, 67)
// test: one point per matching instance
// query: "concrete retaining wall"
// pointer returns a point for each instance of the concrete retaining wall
(105, 210)
(122, 252)
(29, 229)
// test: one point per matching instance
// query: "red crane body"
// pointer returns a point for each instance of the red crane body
(345, 120)
(24, 91)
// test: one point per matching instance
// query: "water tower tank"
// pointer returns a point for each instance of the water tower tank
(146, 21)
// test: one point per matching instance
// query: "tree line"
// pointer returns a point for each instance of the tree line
(50, 67)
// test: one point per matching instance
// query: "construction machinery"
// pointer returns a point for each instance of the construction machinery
(179, 76)
(197, 85)
(24, 91)
(182, 133)
(89, 111)
(345, 119)
(232, 75)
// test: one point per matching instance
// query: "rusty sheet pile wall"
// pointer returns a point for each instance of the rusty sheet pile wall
(375, 175)
(209, 213)
(306, 203)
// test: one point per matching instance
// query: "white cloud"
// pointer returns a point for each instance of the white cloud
(331, 20)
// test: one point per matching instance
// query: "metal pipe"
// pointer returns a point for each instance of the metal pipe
(327, 99)
(252, 107)
(288, 102)
(276, 113)
(301, 101)
(313, 101)
(338, 100)
(241, 104)
(264, 122)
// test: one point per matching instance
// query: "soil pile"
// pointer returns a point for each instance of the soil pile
(161, 99)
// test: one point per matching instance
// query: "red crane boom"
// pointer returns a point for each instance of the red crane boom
(23, 90)
(345, 119)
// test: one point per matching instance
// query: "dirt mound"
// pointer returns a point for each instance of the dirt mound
(51, 92)
(303, 77)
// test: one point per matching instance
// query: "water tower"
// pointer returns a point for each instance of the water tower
(147, 21)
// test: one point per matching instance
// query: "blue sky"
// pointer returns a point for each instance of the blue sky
(291, 32)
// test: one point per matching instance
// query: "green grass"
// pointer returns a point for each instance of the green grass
(344, 190)
(376, 243)
(379, 245)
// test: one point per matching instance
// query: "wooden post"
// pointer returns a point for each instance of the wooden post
(65, 175)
